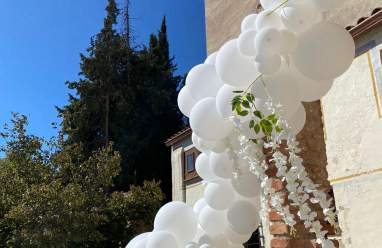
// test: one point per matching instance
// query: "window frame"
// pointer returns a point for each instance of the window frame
(187, 176)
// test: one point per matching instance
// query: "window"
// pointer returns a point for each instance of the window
(189, 159)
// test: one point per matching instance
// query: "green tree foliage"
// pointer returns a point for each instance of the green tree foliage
(126, 96)
(50, 199)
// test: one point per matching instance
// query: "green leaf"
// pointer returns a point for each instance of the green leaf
(243, 113)
(279, 129)
(245, 104)
(273, 118)
(257, 128)
(238, 91)
(251, 124)
(250, 97)
(266, 126)
(258, 114)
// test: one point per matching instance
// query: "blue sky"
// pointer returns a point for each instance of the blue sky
(40, 42)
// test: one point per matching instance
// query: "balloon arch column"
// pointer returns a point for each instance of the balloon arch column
(245, 110)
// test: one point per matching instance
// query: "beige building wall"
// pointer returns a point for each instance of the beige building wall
(353, 125)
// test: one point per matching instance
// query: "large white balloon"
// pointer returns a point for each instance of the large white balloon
(224, 99)
(178, 219)
(213, 222)
(249, 23)
(268, 40)
(207, 123)
(236, 238)
(288, 42)
(202, 81)
(211, 59)
(246, 43)
(268, 64)
(195, 142)
(221, 165)
(282, 89)
(134, 241)
(297, 121)
(324, 52)
(233, 68)
(243, 217)
(299, 17)
(203, 168)
(219, 195)
(266, 19)
(246, 184)
(199, 205)
(161, 239)
(141, 243)
(185, 101)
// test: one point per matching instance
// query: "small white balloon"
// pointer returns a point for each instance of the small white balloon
(199, 205)
(246, 43)
(203, 81)
(243, 217)
(211, 59)
(219, 195)
(246, 184)
(207, 123)
(161, 239)
(224, 100)
(267, 19)
(195, 142)
(221, 165)
(140, 237)
(178, 219)
(324, 52)
(297, 121)
(268, 40)
(236, 238)
(233, 68)
(185, 101)
(213, 222)
(203, 168)
(299, 17)
(268, 64)
(249, 23)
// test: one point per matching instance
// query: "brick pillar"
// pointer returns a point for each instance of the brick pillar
(312, 143)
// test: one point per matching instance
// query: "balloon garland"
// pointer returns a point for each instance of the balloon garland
(245, 99)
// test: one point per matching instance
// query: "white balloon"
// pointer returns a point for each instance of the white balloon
(299, 17)
(270, 4)
(185, 101)
(199, 205)
(233, 68)
(246, 184)
(206, 246)
(178, 219)
(297, 121)
(207, 123)
(268, 64)
(192, 245)
(202, 81)
(219, 195)
(282, 89)
(235, 246)
(211, 59)
(161, 239)
(310, 89)
(213, 222)
(195, 142)
(328, 4)
(324, 52)
(266, 19)
(243, 217)
(141, 243)
(203, 168)
(224, 100)
(246, 43)
(289, 42)
(137, 239)
(236, 238)
(249, 23)
(221, 165)
(268, 40)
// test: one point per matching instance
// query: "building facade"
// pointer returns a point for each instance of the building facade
(342, 138)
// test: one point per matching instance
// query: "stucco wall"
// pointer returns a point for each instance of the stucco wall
(177, 174)
(194, 192)
(353, 126)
